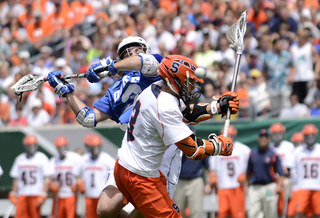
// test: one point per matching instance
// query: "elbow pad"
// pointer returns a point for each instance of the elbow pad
(149, 65)
(196, 148)
(86, 117)
(199, 114)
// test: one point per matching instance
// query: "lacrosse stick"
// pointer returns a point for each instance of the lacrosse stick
(235, 35)
(30, 82)
(9, 211)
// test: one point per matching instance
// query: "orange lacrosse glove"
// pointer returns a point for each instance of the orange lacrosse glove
(41, 199)
(13, 197)
(222, 145)
(229, 100)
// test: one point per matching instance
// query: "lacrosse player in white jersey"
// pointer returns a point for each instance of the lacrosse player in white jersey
(307, 166)
(285, 150)
(155, 124)
(231, 173)
(30, 171)
(65, 180)
(94, 170)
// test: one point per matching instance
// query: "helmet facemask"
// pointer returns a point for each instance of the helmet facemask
(190, 90)
(31, 149)
(310, 140)
(277, 137)
(95, 151)
(132, 48)
(62, 150)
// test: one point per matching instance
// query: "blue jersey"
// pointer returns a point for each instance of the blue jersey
(121, 96)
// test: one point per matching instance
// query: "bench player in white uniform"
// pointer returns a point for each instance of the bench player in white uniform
(30, 171)
(64, 183)
(285, 150)
(117, 105)
(94, 170)
(230, 172)
(155, 124)
(307, 166)
(297, 139)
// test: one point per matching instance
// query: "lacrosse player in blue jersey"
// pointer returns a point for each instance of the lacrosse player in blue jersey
(138, 69)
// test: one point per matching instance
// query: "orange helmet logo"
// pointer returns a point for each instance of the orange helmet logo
(277, 127)
(95, 141)
(297, 137)
(309, 129)
(61, 141)
(30, 140)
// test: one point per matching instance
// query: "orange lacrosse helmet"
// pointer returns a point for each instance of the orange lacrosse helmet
(297, 137)
(61, 141)
(179, 73)
(88, 138)
(95, 140)
(30, 140)
(309, 129)
(277, 127)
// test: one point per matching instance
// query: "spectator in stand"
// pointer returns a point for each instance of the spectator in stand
(309, 100)
(59, 21)
(264, 187)
(224, 51)
(300, 12)
(27, 17)
(61, 64)
(297, 110)
(4, 110)
(81, 10)
(58, 117)
(166, 41)
(38, 117)
(258, 93)
(5, 78)
(14, 33)
(278, 72)
(270, 12)
(5, 49)
(256, 14)
(12, 6)
(20, 120)
(252, 63)
(315, 111)
(284, 17)
(307, 60)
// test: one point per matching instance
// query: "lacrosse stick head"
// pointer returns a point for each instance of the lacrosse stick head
(27, 83)
(235, 33)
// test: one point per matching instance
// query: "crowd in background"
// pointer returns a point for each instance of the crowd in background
(279, 68)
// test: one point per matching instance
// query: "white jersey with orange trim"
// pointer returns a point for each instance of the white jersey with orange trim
(65, 172)
(307, 164)
(229, 168)
(147, 138)
(285, 151)
(95, 172)
(30, 173)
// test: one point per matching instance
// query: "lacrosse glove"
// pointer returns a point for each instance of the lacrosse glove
(222, 145)
(229, 100)
(106, 64)
(61, 88)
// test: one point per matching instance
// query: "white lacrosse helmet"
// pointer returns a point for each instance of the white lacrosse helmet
(129, 42)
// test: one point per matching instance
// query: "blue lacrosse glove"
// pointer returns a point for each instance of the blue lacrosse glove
(106, 64)
(60, 88)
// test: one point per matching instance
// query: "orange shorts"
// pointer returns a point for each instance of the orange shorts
(292, 206)
(149, 195)
(26, 207)
(232, 203)
(91, 207)
(66, 207)
(308, 198)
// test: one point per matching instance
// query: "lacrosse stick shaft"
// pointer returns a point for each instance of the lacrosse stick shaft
(100, 73)
(233, 87)
(9, 211)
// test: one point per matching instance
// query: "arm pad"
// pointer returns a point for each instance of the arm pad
(86, 117)
(149, 65)
(196, 148)
(199, 114)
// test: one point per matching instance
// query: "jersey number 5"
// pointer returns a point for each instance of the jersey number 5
(133, 120)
